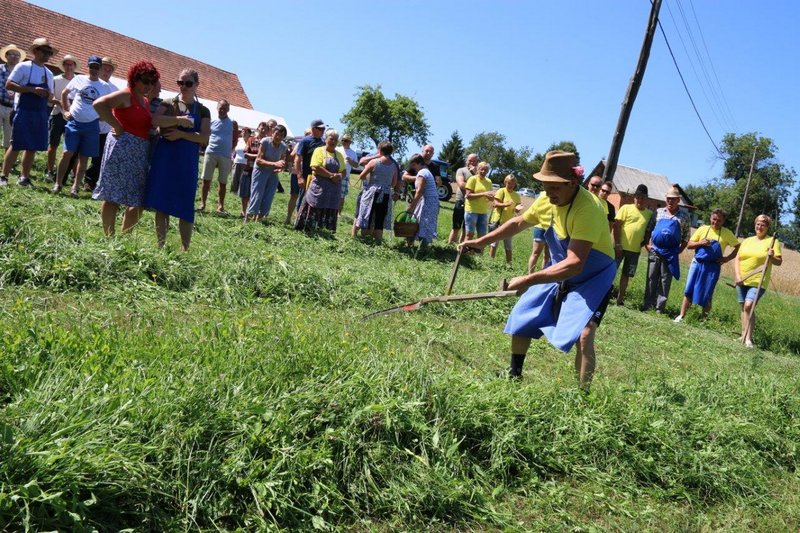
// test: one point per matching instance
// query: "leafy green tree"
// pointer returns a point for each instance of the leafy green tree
(453, 151)
(375, 118)
(491, 147)
(771, 184)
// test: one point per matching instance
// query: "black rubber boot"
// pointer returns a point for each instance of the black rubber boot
(515, 367)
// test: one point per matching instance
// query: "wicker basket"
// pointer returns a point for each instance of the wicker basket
(405, 229)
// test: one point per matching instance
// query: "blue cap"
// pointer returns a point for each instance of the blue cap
(94, 60)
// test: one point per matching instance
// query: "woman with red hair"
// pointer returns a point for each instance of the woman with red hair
(123, 174)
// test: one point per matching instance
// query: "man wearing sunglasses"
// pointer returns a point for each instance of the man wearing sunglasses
(33, 84)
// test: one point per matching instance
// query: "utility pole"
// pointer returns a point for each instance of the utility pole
(630, 96)
(746, 192)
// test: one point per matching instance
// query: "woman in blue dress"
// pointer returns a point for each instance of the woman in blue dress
(172, 183)
(425, 205)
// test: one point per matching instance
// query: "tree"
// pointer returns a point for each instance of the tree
(491, 147)
(453, 151)
(376, 118)
(771, 185)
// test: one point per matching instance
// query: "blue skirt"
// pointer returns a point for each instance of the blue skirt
(701, 282)
(172, 181)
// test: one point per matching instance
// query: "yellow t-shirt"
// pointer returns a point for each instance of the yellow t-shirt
(501, 216)
(319, 155)
(752, 255)
(634, 226)
(725, 237)
(584, 220)
(543, 210)
(479, 206)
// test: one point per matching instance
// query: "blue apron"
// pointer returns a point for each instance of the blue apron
(560, 311)
(704, 274)
(667, 243)
(30, 120)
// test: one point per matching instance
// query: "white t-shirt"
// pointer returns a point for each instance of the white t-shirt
(238, 152)
(60, 83)
(84, 92)
(104, 127)
(26, 73)
(347, 152)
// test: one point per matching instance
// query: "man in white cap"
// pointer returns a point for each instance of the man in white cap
(57, 121)
(669, 234)
(33, 83)
(302, 163)
(566, 301)
(11, 55)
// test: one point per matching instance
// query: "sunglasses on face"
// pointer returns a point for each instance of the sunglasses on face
(46, 52)
(188, 83)
(594, 185)
(147, 81)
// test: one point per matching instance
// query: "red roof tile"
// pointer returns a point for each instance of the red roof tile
(21, 23)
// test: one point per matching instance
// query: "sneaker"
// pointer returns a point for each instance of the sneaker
(678, 319)
(24, 182)
(748, 344)
(3, 181)
(56, 189)
(73, 192)
(51, 175)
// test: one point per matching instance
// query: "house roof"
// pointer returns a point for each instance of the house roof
(626, 179)
(22, 22)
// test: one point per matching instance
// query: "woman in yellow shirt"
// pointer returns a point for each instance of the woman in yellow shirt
(478, 194)
(753, 254)
(505, 205)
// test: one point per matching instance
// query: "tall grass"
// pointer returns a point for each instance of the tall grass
(235, 387)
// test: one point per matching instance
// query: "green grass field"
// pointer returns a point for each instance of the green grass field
(236, 388)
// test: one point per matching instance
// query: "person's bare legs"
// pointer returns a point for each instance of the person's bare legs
(508, 256)
(519, 349)
(536, 251)
(51, 158)
(162, 225)
(623, 288)
(493, 250)
(108, 215)
(9, 160)
(80, 172)
(685, 305)
(748, 323)
(585, 356)
(63, 168)
(27, 163)
(222, 191)
(204, 194)
(185, 228)
(130, 218)
(290, 208)
(245, 203)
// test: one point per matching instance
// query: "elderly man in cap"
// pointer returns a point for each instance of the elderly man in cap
(302, 164)
(218, 155)
(10, 55)
(631, 233)
(566, 301)
(669, 234)
(57, 121)
(107, 69)
(33, 83)
(349, 162)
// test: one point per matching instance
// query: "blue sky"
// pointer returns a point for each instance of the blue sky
(538, 72)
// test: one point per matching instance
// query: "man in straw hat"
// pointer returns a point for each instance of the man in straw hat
(69, 65)
(34, 84)
(10, 55)
(668, 237)
(566, 301)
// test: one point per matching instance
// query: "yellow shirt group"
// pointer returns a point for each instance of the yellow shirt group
(633, 226)
(752, 255)
(479, 206)
(583, 220)
(501, 216)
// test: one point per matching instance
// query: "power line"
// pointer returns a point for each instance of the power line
(696, 112)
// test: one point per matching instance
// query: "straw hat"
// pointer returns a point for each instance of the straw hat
(12, 48)
(674, 191)
(43, 42)
(70, 57)
(110, 62)
(559, 167)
